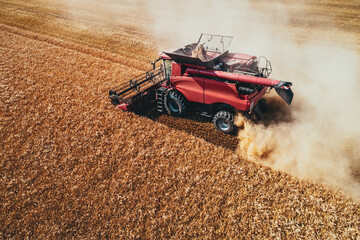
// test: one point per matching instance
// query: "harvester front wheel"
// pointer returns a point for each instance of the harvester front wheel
(175, 103)
(224, 122)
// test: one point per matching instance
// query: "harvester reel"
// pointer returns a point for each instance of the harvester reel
(149, 75)
(134, 84)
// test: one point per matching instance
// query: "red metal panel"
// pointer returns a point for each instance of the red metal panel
(163, 55)
(175, 69)
(235, 77)
(241, 56)
(221, 92)
(191, 87)
(123, 106)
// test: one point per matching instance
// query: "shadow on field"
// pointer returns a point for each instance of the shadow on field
(193, 124)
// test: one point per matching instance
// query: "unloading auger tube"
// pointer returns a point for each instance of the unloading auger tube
(282, 88)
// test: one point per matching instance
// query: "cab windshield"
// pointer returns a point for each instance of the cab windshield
(167, 68)
(215, 43)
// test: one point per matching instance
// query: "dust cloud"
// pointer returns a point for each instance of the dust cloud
(317, 137)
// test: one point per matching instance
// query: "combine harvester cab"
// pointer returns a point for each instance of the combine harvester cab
(206, 78)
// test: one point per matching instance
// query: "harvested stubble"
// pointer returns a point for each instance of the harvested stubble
(195, 125)
(73, 167)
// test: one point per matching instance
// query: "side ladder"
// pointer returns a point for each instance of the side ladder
(160, 99)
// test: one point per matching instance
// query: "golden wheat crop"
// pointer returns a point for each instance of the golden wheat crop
(74, 167)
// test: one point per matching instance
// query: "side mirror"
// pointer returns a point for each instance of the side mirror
(154, 62)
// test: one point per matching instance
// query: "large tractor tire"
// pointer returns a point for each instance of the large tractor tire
(224, 122)
(176, 103)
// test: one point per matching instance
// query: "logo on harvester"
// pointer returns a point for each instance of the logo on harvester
(286, 87)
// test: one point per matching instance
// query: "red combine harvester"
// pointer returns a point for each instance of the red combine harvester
(206, 78)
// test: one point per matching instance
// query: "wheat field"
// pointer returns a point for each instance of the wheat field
(74, 167)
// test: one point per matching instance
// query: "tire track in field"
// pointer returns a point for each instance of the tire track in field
(104, 34)
(115, 58)
(193, 124)
(35, 9)
(200, 127)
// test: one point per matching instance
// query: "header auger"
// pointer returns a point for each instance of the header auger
(205, 76)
